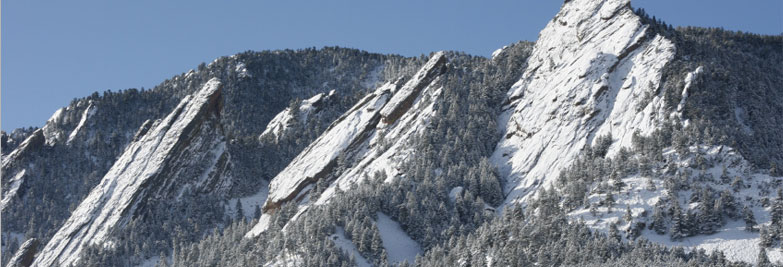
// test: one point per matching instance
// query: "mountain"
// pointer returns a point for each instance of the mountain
(614, 139)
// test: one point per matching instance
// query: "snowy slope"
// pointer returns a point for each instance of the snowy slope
(348, 247)
(588, 75)
(126, 182)
(732, 239)
(398, 244)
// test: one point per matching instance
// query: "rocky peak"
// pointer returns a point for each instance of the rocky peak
(595, 70)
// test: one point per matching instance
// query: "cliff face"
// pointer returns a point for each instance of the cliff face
(153, 166)
(594, 71)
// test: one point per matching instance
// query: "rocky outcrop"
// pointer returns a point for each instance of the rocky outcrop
(149, 166)
(283, 121)
(320, 157)
(13, 187)
(24, 256)
(371, 136)
(595, 70)
(402, 100)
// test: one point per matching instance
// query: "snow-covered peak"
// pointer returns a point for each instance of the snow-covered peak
(587, 76)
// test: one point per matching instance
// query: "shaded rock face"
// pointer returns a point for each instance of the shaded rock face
(24, 256)
(595, 70)
(157, 165)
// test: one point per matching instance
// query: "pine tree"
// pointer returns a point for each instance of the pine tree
(765, 238)
(614, 233)
(737, 184)
(257, 212)
(240, 213)
(659, 222)
(650, 185)
(750, 220)
(777, 209)
(679, 227)
(628, 215)
(762, 260)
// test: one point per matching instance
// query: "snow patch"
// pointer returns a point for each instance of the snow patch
(399, 246)
(456, 191)
(348, 247)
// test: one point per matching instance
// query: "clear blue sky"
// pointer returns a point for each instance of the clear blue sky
(54, 51)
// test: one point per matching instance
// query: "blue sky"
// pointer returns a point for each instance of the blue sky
(54, 51)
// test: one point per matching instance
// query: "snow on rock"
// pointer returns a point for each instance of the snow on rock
(364, 138)
(404, 98)
(132, 175)
(34, 141)
(498, 51)
(51, 131)
(13, 186)
(689, 79)
(88, 112)
(594, 70)
(388, 148)
(282, 122)
(399, 246)
(318, 159)
(348, 247)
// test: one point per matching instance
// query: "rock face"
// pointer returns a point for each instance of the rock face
(148, 167)
(14, 186)
(595, 70)
(281, 123)
(393, 112)
(24, 256)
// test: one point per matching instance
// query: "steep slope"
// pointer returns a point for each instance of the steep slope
(147, 166)
(594, 71)
(344, 151)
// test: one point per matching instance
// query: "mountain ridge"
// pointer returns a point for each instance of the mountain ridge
(607, 107)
